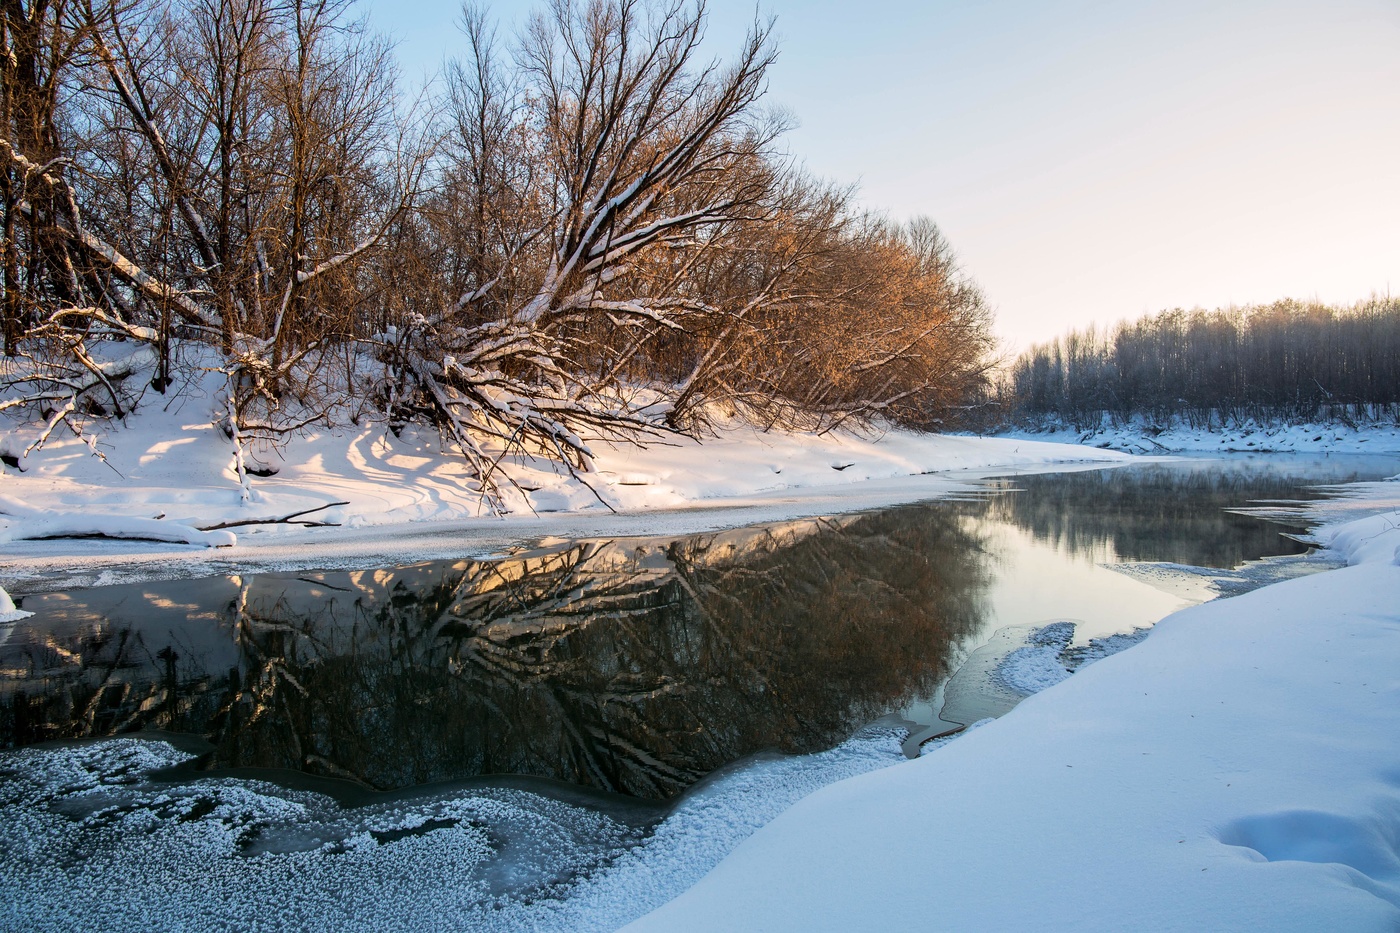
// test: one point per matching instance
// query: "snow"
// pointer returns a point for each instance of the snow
(1177, 436)
(225, 853)
(169, 472)
(1032, 668)
(28, 523)
(186, 469)
(8, 612)
(1050, 656)
(1237, 770)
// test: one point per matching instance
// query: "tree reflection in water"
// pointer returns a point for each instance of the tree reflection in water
(1161, 512)
(632, 665)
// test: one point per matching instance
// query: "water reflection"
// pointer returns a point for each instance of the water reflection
(636, 666)
(1174, 512)
(631, 665)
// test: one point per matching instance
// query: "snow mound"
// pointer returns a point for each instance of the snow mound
(1037, 666)
(8, 612)
(1032, 669)
(175, 460)
(1367, 540)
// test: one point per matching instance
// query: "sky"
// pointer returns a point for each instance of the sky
(1089, 161)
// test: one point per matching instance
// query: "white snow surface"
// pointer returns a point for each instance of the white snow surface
(28, 523)
(1037, 665)
(1140, 437)
(1031, 669)
(1237, 770)
(8, 612)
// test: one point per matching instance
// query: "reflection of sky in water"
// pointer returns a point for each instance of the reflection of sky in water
(1035, 583)
(1068, 547)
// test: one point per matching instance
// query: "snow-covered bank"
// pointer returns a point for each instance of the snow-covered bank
(1250, 437)
(1236, 771)
(170, 477)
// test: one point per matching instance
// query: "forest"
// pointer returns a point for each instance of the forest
(588, 229)
(1289, 361)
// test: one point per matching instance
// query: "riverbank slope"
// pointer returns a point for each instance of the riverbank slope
(1178, 437)
(362, 495)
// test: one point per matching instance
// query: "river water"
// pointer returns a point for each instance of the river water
(640, 665)
(613, 675)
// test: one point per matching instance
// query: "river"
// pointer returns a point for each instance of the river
(613, 677)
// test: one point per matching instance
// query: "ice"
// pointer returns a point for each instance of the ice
(92, 841)
(1031, 669)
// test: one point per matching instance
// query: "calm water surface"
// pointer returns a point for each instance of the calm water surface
(641, 665)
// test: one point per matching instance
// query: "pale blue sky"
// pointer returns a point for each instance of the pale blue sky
(1089, 161)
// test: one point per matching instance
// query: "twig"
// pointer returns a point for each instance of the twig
(284, 520)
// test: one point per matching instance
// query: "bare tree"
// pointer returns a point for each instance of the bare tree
(598, 239)
(1287, 361)
(637, 146)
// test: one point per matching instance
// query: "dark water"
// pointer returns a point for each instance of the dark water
(630, 665)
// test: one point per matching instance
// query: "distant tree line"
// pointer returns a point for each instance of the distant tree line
(588, 230)
(1287, 361)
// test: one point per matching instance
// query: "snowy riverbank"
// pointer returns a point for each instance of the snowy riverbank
(1235, 771)
(1138, 437)
(374, 496)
